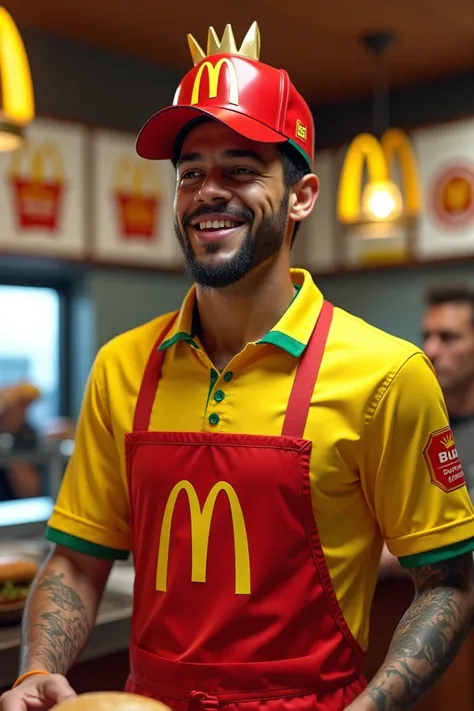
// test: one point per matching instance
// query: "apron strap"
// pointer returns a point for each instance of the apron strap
(300, 396)
(151, 377)
(306, 375)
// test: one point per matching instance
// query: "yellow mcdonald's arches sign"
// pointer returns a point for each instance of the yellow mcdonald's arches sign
(200, 530)
(379, 158)
(18, 106)
(213, 73)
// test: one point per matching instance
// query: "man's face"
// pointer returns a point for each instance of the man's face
(448, 341)
(231, 204)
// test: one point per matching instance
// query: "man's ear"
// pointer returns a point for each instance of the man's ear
(303, 197)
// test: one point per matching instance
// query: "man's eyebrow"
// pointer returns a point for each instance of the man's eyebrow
(244, 153)
(188, 158)
(231, 153)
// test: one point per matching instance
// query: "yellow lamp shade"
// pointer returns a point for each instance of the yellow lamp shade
(17, 107)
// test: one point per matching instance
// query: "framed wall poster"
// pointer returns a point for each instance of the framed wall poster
(446, 160)
(133, 204)
(315, 247)
(42, 192)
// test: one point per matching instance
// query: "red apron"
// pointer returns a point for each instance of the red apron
(233, 602)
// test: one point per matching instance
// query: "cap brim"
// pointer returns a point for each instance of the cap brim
(157, 138)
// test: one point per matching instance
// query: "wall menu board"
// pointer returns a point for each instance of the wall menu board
(42, 194)
(446, 163)
(133, 204)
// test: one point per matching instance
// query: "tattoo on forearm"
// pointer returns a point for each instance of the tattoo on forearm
(428, 637)
(63, 625)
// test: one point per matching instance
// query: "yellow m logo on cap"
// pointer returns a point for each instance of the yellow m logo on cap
(16, 85)
(213, 73)
(379, 157)
(200, 529)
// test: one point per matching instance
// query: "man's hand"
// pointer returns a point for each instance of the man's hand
(37, 693)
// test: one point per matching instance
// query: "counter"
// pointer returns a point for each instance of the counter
(109, 637)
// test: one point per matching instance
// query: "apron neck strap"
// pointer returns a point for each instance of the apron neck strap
(300, 396)
(151, 377)
(306, 375)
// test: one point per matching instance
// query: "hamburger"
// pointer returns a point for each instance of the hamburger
(16, 577)
(110, 701)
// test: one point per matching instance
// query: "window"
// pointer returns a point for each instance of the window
(30, 345)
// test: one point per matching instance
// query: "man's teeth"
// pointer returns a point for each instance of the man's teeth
(217, 224)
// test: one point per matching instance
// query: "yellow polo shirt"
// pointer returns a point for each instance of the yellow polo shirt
(373, 413)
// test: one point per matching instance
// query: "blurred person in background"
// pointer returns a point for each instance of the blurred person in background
(19, 479)
(448, 341)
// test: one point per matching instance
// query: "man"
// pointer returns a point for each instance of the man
(448, 341)
(253, 450)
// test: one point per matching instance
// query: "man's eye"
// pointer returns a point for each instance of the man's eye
(190, 175)
(242, 171)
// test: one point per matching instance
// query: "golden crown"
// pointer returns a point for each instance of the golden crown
(448, 441)
(250, 46)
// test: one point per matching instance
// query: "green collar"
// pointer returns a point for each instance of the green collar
(276, 338)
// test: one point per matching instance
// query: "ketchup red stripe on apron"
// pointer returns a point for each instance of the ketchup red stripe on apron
(233, 602)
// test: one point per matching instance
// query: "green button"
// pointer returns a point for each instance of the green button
(219, 395)
(214, 418)
(228, 376)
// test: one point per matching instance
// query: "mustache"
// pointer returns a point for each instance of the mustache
(240, 213)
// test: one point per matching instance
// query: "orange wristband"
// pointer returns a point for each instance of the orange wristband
(27, 674)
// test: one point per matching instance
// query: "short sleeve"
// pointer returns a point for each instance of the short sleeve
(411, 473)
(91, 514)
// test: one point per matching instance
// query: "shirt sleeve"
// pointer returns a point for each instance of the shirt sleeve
(91, 514)
(412, 477)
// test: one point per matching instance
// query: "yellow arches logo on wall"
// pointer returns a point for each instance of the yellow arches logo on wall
(17, 106)
(381, 199)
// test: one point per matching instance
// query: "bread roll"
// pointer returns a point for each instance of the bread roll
(110, 701)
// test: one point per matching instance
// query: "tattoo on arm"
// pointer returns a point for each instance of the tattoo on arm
(429, 635)
(61, 629)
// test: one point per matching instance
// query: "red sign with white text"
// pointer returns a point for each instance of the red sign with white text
(442, 460)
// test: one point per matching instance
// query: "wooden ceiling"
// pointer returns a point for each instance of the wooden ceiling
(317, 42)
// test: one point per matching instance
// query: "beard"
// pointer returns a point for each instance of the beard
(255, 249)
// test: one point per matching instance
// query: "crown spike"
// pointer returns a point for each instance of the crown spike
(213, 43)
(197, 53)
(250, 46)
(228, 45)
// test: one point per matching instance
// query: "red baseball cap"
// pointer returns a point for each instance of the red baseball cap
(235, 88)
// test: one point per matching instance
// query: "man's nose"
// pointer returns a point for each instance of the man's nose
(432, 347)
(212, 190)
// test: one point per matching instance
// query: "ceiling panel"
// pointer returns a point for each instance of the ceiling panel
(317, 42)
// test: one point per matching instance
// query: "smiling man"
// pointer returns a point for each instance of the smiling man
(253, 450)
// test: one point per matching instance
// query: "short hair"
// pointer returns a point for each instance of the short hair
(441, 294)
